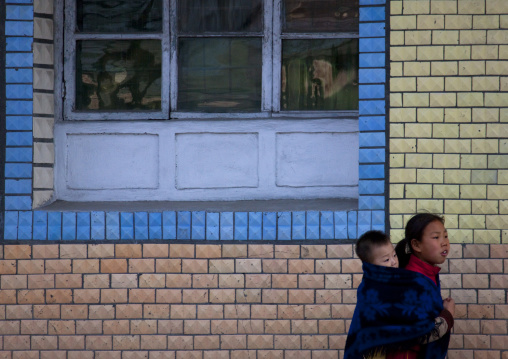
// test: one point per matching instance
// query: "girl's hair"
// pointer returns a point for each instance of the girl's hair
(368, 240)
(414, 230)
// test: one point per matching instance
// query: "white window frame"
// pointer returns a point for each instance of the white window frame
(272, 37)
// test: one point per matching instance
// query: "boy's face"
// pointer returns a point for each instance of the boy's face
(384, 255)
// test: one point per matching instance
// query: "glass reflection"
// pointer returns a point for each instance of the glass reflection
(320, 16)
(118, 75)
(119, 16)
(201, 16)
(319, 75)
(219, 74)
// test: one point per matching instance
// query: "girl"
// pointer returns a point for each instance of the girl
(425, 246)
(399, 312)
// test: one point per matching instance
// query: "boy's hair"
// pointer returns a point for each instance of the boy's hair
(368, 240)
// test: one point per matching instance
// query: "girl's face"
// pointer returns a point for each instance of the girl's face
(434, 246)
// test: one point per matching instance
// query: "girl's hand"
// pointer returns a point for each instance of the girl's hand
(449, 305)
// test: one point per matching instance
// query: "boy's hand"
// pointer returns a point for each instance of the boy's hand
(449, 305)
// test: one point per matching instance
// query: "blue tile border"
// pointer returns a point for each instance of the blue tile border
(194, 225)
(21, 223)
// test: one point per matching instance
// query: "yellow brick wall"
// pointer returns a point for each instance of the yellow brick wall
(448, 116)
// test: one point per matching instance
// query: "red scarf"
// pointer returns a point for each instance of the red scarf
(417, 265)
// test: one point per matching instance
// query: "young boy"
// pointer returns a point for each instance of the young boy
(375, 247)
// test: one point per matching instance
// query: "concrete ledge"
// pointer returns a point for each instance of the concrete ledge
(331, 204)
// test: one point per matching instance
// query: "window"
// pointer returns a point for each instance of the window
(162, 59)
(262, 96)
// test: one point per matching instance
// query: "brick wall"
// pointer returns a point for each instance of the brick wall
(449, 150)
(448, 116)
(218, 301)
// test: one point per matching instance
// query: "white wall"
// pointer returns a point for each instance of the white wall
(202, 160)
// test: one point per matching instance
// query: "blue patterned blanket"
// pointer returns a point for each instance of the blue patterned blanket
(395, 309)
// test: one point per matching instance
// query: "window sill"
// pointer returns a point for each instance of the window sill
(331, 204)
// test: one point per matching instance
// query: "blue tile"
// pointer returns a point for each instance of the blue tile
(155, 225)
(16, 12)
(378, 202)
(126, 225)
(141, 225)
(15, 186)
(351, 224)
(19, 59)
(18, 92)
(364, 222)
(98, 224)
(11, 225)
(40, 226)
(371, 76)
(212, 226)
(371, 91)
(227, 226)
(241, 226)
(326, 225)
(372, 14)
(19, 139)
(21, 1)
(25, 225)
(20, 203)
(312, 229)
(371, 171)
(372, 60)
(54, 226)
(372, 29)
(376, 44)
(372, 2)
(19, 28)
(18, 44)
(372, 139)
(298, 226)
(18, 154)
(379, 227)
(371, 187)
(372, 107)
(16, 107)
(183, 229)
(255, 225)
(18, 75)
(269, 225)
(372, 123)
(372, 155)
(340, 224)
(198, 225)
(83, 225)
(69, 226)
(113, 225)
(18, 170)
(378, 218)
(365, 202)
(169, 225)
(284, 226)
(18, 123)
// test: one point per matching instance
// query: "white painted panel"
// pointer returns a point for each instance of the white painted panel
(112, 161)
(317, 159)
(216, 160)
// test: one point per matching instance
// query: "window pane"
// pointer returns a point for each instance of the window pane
(319, 75)
(320, 16)
(118, 75)
(200, 16)
(119, 16)
(219, 74)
